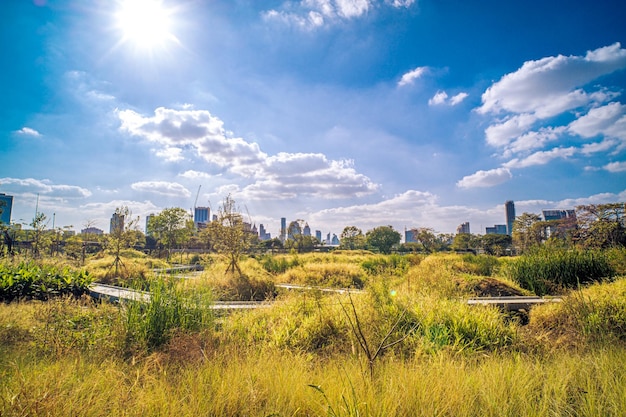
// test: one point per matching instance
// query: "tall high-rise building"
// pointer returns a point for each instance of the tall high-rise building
(6, 205)
(201, 216)
(307, 230)
(509, 209)
(463, 228)
(283, 229)
(148, 217)
(318, 235)
(117, 223)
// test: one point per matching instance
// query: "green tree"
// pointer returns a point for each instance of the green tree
(527, 231)
(228, 234)
(352, 238)
(495, 244)
(122, 236)
(172, 227)
(465, 242)
(39, 223)
(601, 225)
(382, 238)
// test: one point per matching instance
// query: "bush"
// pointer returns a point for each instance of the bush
(40, 282)
(549, 271)
(278, 264)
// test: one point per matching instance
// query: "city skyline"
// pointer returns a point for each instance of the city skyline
(342, 112)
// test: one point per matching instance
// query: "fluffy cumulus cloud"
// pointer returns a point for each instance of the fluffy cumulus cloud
(524, 104)
(488, 178)
(27, 131)
(44, 187)
(310, 14)
(552, 85)
(164, 188)
(409, 78)
(283, 175)
(441, 97)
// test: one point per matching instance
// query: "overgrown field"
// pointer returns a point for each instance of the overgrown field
(402, 342)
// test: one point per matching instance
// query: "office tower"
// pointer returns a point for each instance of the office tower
(307, 230)
(509, 208)
(498, 229)
(558, 214)
(6, 205)
(201, 216)
(148, 217)
(117, 223)
(318, 235)
(410, 236)
(283, 229)
(463, 228)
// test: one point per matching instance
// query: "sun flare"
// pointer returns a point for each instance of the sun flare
(145, 23)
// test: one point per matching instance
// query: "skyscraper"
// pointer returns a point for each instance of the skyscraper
(201, 216)
(117, 223)
(6, 205)
(509, 208)
(463, 228)
(283, 229)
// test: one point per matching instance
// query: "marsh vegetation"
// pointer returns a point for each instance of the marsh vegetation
(402, 342)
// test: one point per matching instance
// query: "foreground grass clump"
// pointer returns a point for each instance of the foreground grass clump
(596, 315)
(551, 271)
(30, 280)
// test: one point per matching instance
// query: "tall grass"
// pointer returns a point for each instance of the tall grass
(550, 271)
(170, 309)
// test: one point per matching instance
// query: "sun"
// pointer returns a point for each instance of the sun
(147, 24)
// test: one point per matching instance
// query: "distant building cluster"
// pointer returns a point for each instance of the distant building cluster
(202, 217)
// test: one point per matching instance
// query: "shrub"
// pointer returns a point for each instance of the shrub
(547, 271)
(278, 264)
(40, 282)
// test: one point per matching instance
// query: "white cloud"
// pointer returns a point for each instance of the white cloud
(552, 85)
(616, 166)
(44, 187)
(541, 157)
(410, 77)
(279, 176)
(169, 189)
(534, 140)
(502, 134)
(170, 154)
(607, 120)
(311, 14)
(27, 131)
(458, 98)
(191, 174)
(439, 98)
(489, 178)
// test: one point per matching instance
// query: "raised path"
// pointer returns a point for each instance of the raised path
(513, 303)
(116, 294)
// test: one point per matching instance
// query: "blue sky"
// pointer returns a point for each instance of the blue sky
(410, 113)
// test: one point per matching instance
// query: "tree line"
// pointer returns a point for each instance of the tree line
(173, 229)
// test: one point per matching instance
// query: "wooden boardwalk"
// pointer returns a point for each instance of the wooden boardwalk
(513, 303)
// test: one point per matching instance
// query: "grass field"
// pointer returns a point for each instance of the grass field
(406, 344)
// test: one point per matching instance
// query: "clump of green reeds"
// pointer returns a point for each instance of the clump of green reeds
(278, 264)
(548, 271)
(169, 309)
